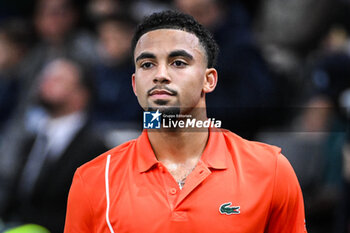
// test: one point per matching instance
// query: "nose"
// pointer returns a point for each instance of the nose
(162, 75)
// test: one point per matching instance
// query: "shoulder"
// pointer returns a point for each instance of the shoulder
(98, 164)
(255, 156)
(251, 147)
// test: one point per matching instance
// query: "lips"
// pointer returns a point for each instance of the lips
(161, 92)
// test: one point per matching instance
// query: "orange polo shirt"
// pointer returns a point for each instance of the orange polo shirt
(238, 186)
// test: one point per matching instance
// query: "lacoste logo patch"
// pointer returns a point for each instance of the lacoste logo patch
(227, 209)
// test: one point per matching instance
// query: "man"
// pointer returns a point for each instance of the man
(56, 36)
(64, 141)
(181, 179)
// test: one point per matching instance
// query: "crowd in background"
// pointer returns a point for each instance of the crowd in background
(66, 95)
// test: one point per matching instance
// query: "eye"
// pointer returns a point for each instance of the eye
(179, 63)
(147, 65)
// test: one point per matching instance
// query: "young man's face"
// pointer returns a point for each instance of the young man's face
(171, 71)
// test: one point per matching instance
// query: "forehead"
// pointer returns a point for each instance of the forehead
(61, 70)
(167, 40)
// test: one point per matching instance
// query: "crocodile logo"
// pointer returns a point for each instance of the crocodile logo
(227, 209)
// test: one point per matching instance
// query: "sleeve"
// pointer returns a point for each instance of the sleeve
(79, 215)
(287, 207)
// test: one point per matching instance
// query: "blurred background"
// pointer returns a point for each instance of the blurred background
(66, 96)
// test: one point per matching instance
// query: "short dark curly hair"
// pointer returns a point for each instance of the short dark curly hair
(171, 19)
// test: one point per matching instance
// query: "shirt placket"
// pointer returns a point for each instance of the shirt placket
(175, 195)
(171, 187)
(195, 178)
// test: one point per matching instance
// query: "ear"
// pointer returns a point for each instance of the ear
(133, 83)
(211, 79)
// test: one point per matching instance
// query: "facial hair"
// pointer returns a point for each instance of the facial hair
(166, 110)
(172, 110)
(51, 107)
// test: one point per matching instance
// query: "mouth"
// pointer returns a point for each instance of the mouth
(161, 93)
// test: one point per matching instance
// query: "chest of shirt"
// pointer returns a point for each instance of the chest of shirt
(212, 200)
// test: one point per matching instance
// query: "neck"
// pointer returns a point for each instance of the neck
(61, 113)
(63, 110)
(179, 145)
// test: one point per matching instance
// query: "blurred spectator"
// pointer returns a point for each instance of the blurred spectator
(55, 23)
(142, 8)
(115, 102)
(314, 140)
(337, 40)
(246, 86)
(13, 46)
(64, 140)
(98, 9)
(288, 30)
(57, 36)
(331, 79)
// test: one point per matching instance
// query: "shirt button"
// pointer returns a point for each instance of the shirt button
(173, 191)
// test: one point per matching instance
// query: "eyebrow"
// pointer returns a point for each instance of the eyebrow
(176, 53)
(145, 55)
(181, 53)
